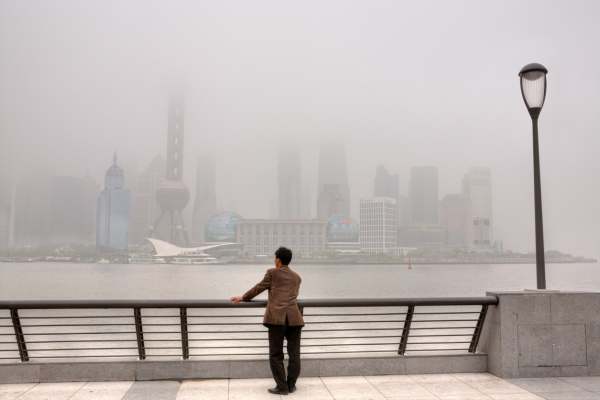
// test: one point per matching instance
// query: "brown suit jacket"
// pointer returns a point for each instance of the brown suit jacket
(283, 285)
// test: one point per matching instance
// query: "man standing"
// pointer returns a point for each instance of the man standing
(283, 318)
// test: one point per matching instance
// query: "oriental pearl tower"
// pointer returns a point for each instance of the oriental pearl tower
(172, 195)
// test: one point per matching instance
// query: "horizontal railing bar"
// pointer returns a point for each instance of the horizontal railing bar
(77, 316)
(86, 333)
(307, 352)
(66, 304)
(86, 340)
(445, 320)
(461, 349)
(446, 312)
(461, 342)
(441, 327)
(88, 348)
(454, 334)
(350, 314)
(70, 325)
(88, 356)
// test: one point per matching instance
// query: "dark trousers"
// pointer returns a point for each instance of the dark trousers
(276, 335)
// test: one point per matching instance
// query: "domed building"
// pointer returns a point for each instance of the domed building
(342, 235)
(342, 229)
(221, 227)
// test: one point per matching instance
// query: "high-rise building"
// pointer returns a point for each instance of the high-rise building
(112, 212)
(172, 194)
(333, 197)
(289, 180)
(144, 206)
(32, 210)
(386, 184)
(378, 227)
(454, 215)
(261, 237)
(205, 203)
(477, 186)
(423, 196)
(72, 210)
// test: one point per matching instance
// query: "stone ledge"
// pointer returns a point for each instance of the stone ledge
(198, 369)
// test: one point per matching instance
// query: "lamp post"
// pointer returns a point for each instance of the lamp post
(533, 90)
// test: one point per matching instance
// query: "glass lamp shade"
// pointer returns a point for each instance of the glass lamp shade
(533, 86)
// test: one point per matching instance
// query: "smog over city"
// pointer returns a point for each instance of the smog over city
(265, 86)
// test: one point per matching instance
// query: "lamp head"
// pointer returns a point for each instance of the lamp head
(533, 87)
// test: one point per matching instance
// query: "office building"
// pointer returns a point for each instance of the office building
(423, 196)
(333, 191)
(454, 215)
(477, 186)
(261, 237)
(112, 212)
(289, 181)
(205, 202)
(378, 227)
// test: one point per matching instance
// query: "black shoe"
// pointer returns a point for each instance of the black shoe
(276, 390)
(292, 388)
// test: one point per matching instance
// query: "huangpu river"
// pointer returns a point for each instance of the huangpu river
(220, 281)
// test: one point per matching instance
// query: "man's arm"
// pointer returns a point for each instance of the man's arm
(256, 290)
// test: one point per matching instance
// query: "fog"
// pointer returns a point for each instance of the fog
(398, 83)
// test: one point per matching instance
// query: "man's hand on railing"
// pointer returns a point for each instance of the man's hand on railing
(236, 299)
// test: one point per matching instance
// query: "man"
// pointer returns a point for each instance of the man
(283, 318)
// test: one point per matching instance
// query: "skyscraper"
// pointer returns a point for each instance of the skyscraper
(378, 228)
(454, 215)
(386, 184)
(333, 189)
(32, 211)
(289, 181)
(144, 206)
(205, 203)
(477, 186)
(72, 210)
(172, 194)
(112, 212)
(423, 196)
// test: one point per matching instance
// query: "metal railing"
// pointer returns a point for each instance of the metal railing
(217, 329)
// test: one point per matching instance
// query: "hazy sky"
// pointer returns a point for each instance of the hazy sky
(400, 83)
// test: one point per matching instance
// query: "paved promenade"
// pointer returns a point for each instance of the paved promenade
(392, 387)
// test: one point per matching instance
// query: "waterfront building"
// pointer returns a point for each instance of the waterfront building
(333, 192)
(112, 212)
(423, 196)
(261, 237)
(477, 186)
(422, 236)
(378, 227)
(144, 206)
(289, 180)
(205, 202)
(342, 235)
(222, 227)
(455, 210)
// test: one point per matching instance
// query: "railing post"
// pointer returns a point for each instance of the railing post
(406, 330)
(14, 314)
(478, 328)
(185, 349)
(139, 332)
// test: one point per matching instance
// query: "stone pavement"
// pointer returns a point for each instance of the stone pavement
(392, 387)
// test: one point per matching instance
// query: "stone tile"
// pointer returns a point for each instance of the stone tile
(249, 369)
(475, 377)
(155, 390)
(399, 387)
(311, 389)
(591, 383)
(453, 390)
(13, 390)
(182, 370)
(19, 373)
(251, 389)
(543, 385)
(86, 371)
(52, 391)
(102, 391)
(575, 395)
(496, 386)
(434, 378)
(209, 389)
(522, 396)
(358, 366)
(351, 387)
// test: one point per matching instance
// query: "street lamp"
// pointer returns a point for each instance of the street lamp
(533, 90)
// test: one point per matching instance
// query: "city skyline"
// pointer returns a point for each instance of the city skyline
(365, 81)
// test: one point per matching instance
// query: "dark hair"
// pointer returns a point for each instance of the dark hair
(284, 254)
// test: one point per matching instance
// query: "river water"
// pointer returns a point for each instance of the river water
(164, 281)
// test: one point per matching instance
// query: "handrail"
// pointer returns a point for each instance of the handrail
(343, 326)
(171, 303)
